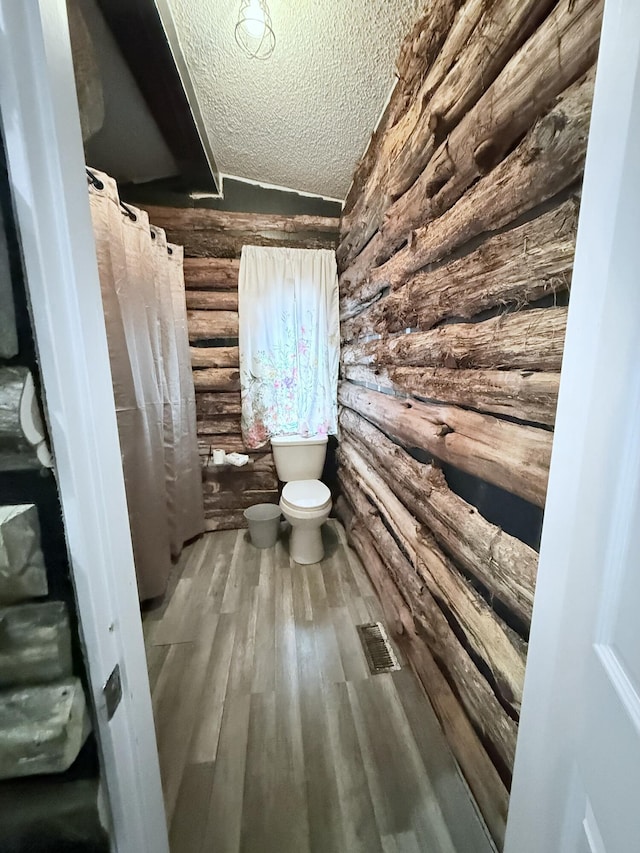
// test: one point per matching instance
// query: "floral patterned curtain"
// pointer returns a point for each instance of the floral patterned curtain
(289, 342)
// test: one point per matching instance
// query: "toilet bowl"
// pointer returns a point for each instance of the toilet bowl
(306, 505)
(305, 501)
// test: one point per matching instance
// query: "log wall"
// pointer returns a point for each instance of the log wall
(213, 243)
(455, 260)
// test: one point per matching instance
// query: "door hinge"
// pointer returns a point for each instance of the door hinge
(112, 691)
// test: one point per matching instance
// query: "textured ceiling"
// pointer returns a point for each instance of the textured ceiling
(303, 117)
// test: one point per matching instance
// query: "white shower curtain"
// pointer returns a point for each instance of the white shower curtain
(289, 342)
(145, 318)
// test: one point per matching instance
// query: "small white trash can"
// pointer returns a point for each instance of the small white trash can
(264, 523)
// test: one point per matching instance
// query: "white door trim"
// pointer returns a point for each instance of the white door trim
(597, 412)
(42, 135)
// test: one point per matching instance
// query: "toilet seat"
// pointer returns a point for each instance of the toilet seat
(306, 496)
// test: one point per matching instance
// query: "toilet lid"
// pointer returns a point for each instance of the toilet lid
(306, 493)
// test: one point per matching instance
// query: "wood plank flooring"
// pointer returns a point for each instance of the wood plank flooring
(272, 734)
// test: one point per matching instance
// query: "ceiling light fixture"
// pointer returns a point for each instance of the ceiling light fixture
(254, 32)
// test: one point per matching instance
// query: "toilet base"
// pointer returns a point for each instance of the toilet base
(305, 545)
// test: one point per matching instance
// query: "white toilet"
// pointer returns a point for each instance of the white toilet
(305, 501)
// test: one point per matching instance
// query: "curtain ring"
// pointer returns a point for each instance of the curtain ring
(96, 182)
(127, 210)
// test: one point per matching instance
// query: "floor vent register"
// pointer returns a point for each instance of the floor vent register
(377, 648)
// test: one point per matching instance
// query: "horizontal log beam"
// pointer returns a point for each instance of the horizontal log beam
(490, 719)
(503, 652)
(201, 244)
(482, 777)
(242, 500)
(367, 162)
(204, 244)
(393, 606)
(214, 357)
(549, 159)
(209, 404)
(206, 219)
(514, 457)
(502, 563)
(212, 300)
(525, 88)
(521, 394)
(221, 234)
(215, 425)
(420, 51)
(216, 379)
(517, 267)
(459, 77)
(529, 340)
(212, 324)
(421, 47)
(480, 773)
(211, 273)
(560, 51)
(239, 480)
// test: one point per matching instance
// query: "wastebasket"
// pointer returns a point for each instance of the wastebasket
(264, 521)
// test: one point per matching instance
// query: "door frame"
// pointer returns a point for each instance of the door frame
(41, 127)
(46, 164)
(596, 410)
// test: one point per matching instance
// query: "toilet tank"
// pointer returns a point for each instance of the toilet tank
(299, 458)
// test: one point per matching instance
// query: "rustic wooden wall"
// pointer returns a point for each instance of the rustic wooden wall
(455, 260)
(212, 243)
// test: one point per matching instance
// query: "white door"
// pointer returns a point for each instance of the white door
(41, 129)
(577, 773)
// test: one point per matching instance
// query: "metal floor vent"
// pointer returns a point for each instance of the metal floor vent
(377, 649)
